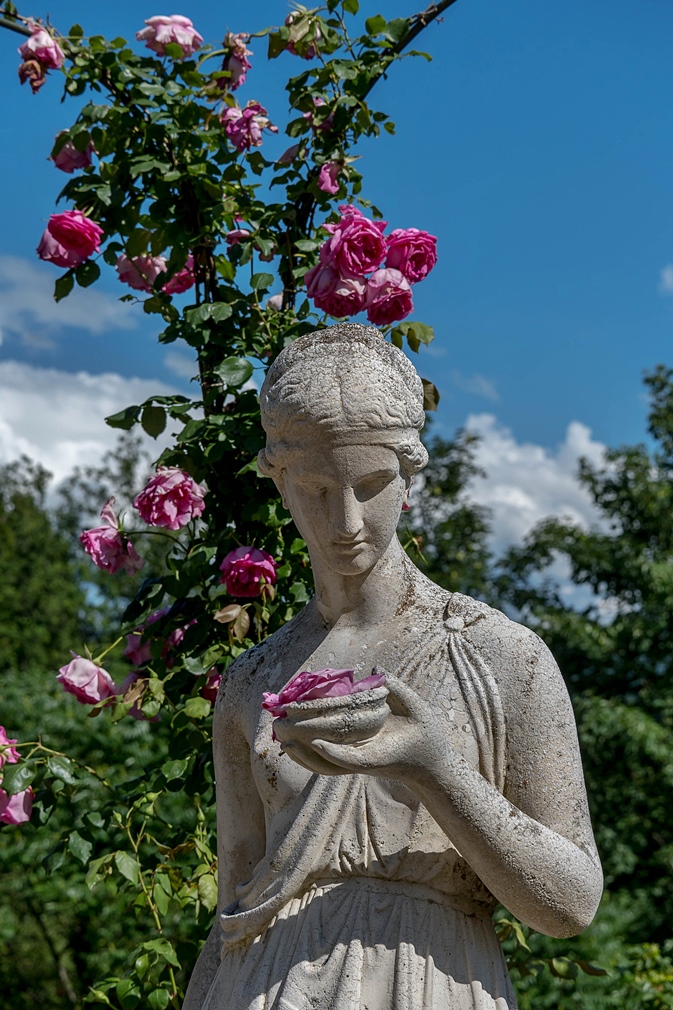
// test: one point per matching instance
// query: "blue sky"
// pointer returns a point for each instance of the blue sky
(537, 146)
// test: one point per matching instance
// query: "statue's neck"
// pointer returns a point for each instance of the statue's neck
(367, 599)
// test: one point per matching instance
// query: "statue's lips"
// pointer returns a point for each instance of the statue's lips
(351, 547)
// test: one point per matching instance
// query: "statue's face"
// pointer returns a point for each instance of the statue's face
(346, 503)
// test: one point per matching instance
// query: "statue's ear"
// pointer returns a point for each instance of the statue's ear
(268, 469)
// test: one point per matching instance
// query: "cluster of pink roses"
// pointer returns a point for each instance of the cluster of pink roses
(69, 239)
(141, 272)
(244, 127)
(40, 52)
(337, 283)
(170, 500)
(15, 809)
(176, 29)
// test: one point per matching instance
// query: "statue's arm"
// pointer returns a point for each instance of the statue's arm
(240, 828)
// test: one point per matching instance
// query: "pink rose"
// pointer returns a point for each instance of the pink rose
(326, 124)
(107, 545)
(246, 570)
(162, 30)
(76, 232)
(338, 296)
(136, 649)
(16, 809)
(43, 48)
(412, 252)
(8, 753)
(140, 272)
(88, 682)
(326, 683)
(170, 499)
(69, 158)
(181, 281)
(357, 244)
(53, 252)
(275, 302)
(388, 297)
(236, 236)
(236, 62)
(244, 127)
(329, 173)
(212, 686)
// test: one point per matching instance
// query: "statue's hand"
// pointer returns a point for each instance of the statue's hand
(410, 743)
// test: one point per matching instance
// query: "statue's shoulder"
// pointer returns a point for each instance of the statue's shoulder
(251, 667)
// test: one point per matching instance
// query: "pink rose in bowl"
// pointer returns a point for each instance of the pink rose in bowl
(89, 683)
(170, 499)
(357, 245)
(246, 570)
(8, 753)
(140, 272)
(389, 297)
(69, 158)
(53, 252)
(327, 683)
(163, 29)
(76, 232)
(43, 48)
(16, 809)
(107, 545)
(412, 252)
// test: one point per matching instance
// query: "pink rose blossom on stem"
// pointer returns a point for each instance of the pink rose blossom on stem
(244, 127)
(329, 173)
(236, 61)
(327, 683)
(69, 158)
(140, 272)
(236, 236)
(170, 499)
(388, 297)
(326, 124)
(107, 545)
(357, 244)
(246, 570)
(412, 252)
(43, 48)
(88, 682)
(16, 809)
(406, 507)
(8, 753)
(76, 232)
(181, 281)
(53, 252)
(212, 685)
(333, 294)
(164, 29)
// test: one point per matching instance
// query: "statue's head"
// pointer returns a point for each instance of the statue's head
(342, 410)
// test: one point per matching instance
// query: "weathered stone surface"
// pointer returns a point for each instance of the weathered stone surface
(363, 876)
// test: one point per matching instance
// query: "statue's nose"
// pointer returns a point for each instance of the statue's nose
(346, 515)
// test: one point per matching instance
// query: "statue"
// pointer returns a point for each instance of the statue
(361, 874)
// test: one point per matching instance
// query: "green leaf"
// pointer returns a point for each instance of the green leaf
(262, 281)
(158, 1000)
(64, 286)
(76, 32)
(590, 969)
(174, 769)
(128, 993)
(125, 419)
(80, 847)
(234, 371)
(153, 420)
(62, 768)
(430, 395)
(563, 967)
(375, 25)
(86, 273)
(128, 866)
(174, 50)
(164, 949)
(218, 312)
(97, 870)
(208, 891)
(197, 708)
(277, 45)
(351, 6)
(397, 29)
(18, 777)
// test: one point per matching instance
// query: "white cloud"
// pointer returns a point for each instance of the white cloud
(181, 365)
(525, 482)
(28, 309)
(666, 280)
(477, 384)
(57, 418)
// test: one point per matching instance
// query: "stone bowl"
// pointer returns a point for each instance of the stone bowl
(351, 718)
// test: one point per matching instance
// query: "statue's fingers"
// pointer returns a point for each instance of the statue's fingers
(340, 754)
(310, 760)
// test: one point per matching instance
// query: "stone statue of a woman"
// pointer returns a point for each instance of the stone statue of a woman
(363, 876)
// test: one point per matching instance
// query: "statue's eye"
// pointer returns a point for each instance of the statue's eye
(369, 487)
